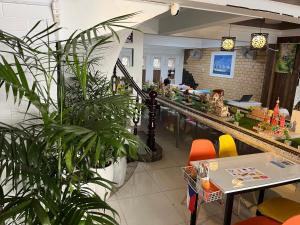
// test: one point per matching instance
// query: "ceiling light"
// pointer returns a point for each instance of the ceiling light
(175, 8)
(228, 43)
(259, 40)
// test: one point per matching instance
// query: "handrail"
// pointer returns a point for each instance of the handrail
(150, 101)
(131, 81)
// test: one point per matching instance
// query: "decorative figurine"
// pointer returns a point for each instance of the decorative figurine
(275, 118)
(282, 121)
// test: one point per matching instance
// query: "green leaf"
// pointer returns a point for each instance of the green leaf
(11, 211)
(69, 159)
(41, 213)
(21, 74)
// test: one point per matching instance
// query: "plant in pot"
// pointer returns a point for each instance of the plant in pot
(109, 114)
(45, 159)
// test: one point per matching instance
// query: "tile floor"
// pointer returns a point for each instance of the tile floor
(153, 194)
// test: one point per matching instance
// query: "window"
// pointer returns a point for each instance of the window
(125, 61)
(171, 63)
(156, 63)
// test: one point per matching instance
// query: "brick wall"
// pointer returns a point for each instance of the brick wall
(248, 75)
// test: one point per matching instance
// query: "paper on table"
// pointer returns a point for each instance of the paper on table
(247, 174)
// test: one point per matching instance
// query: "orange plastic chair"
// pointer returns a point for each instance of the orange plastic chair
(295, 220)
(273, 208)
(258, 220)
(202, 149)
(262, 220)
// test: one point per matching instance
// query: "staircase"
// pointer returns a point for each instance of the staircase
(188, 79)
(149, 100)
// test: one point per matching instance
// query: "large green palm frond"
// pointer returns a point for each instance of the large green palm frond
(45, 159)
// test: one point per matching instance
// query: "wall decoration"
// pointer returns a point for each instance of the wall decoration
(222, 64)
(285, 58)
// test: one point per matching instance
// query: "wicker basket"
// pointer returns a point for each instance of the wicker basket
(190, 176)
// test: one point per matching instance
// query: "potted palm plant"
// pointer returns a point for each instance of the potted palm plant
(46, 160)
(111, 115)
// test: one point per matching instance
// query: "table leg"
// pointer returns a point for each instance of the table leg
(194, 214)
(177, 130)
(260, 200)
(228, 209)
(196, 131)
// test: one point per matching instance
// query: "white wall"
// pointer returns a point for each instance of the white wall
(97, 11)
(17, 19)
(164, 53)
(136, 70)
(82, 14)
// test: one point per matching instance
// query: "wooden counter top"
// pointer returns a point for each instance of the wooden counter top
(259, 141)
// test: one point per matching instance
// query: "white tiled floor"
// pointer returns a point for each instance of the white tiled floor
(153, 195)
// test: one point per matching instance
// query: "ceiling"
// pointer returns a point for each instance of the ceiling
(292, 2)
(214, 25)
(269, 24)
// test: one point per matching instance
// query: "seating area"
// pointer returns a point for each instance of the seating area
(142, 112)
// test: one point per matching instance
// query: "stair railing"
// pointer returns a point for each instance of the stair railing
(149, 100)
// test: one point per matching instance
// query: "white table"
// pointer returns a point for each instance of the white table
(230, 186)
(243, 105)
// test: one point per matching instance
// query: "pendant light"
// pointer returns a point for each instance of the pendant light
(228, 43)
(259, 40)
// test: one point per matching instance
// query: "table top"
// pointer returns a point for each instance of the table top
(244, 105)
(270, 170)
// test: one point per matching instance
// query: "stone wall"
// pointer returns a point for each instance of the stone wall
(248, 75)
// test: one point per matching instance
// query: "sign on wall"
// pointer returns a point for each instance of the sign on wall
(222, 64)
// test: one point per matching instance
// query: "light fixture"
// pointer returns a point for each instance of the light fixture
(174, 8)
(259, 40)
(228, 43)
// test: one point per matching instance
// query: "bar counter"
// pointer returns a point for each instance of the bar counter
(252, 138)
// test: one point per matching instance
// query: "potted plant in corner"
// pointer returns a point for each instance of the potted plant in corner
(109, 115)
(48, 157)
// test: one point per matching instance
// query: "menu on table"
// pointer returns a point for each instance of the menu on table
(247, 174)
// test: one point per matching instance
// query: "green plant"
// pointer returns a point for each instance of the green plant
(45, 159)
(107, 114)
(286, 134)
(237, 116)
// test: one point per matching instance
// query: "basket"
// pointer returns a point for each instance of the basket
(193, 180)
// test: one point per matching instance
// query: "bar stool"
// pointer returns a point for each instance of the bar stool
(279, 209)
